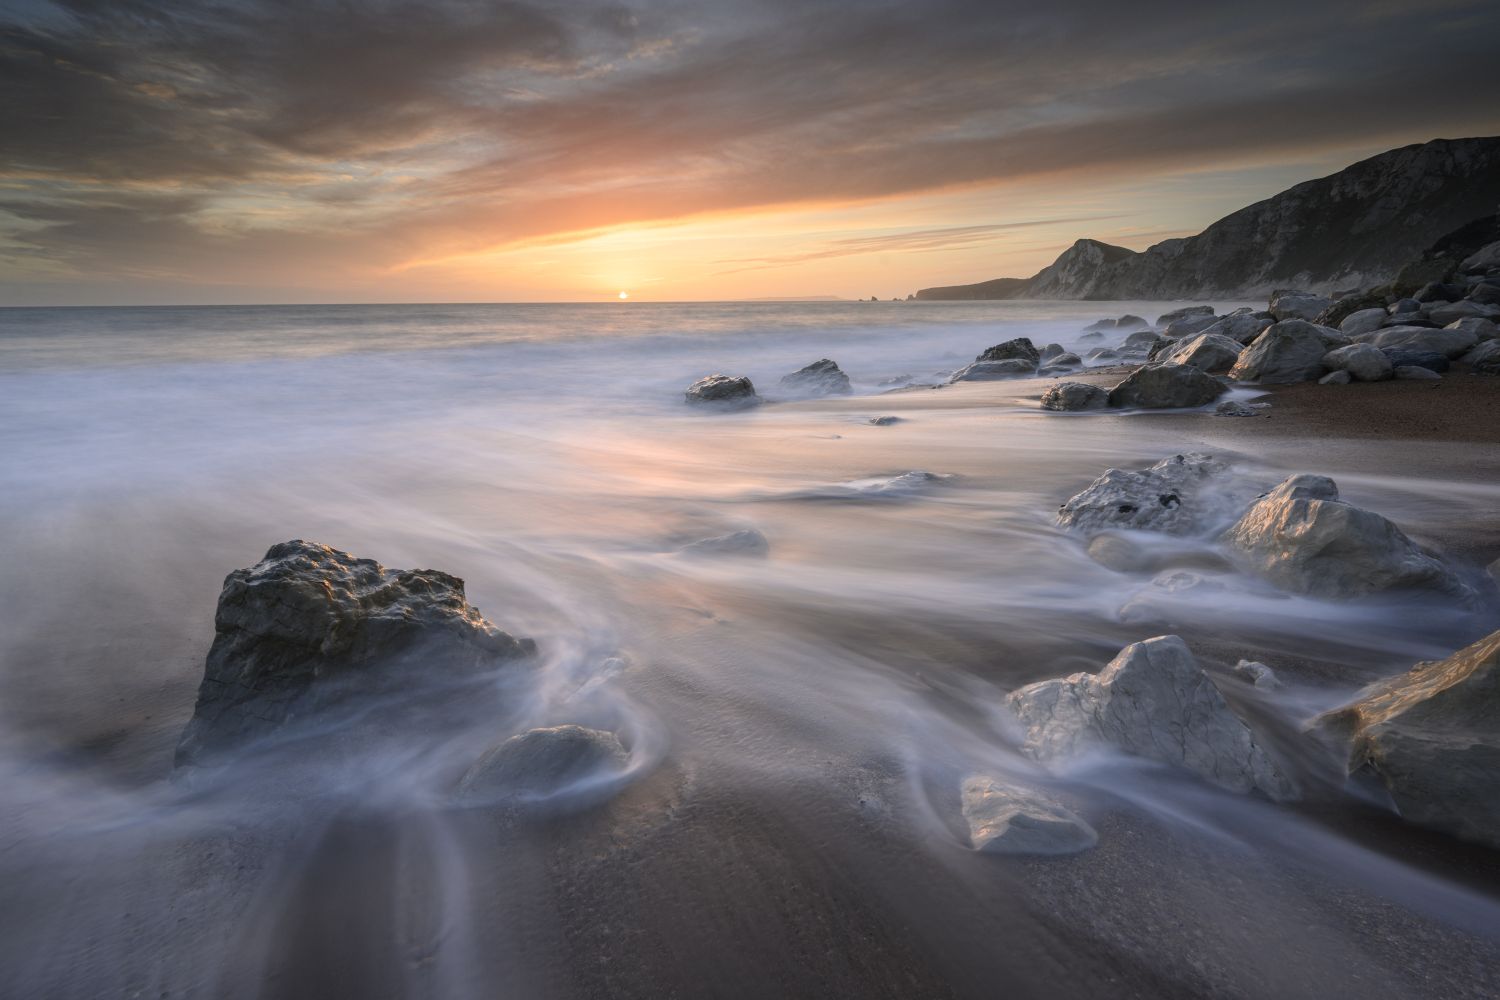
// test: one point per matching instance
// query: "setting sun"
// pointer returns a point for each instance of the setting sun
(624, 295)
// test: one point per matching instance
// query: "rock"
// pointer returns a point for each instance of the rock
(1153, 701)
(1483, 260)
(1363, 362)
(1487, 365)
(1174, 496)
(1288, 351)
(1438, 291)
(309, 626)
(1020, 347)
(1292, 303)
(723, 391)
(1052, 351)
(1187, 326)
(1482, 329)
(1431, 737)
(1337, 378)
(1209, 352)
(1364, 321)
(1142, 338)
(985, 371)
(885, 421)
(1165, 385)
(1241, 327)
(1007, 819)
(1154, 603)
(1485, 293)
(1404, 306)
(1347, 305)
(1168, 318)
(1301, 538)
(1094, 335)
(1074, 396)
(1453, 311)
(1258, 674)
(747, 542)
(1410, 320)
(544, 763)
(821, 378)
(1129, 322)
(1234, 408)
(1401, 357)
(1119, 553)
(1103, 354)
(1414, 373)
(1484, 354)
(1067, 359)
(896, 381)
(1099, 324)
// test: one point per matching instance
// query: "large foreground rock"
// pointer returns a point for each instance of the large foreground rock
(1154, 701)
(1210, 352)
(1175, 496)
(726, 391)
(1288, 351)
(1302, 538)
(821, 378)
(1164, 386)
(1431, 737)
(1007, 819)
(545, 763)
(309, 625)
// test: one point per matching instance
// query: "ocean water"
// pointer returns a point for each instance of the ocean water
(798, 725)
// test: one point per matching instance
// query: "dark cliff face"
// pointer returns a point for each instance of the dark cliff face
(1352, 229)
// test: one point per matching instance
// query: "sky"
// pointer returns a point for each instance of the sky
(242, 151)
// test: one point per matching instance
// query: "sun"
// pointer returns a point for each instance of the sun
(624, 295)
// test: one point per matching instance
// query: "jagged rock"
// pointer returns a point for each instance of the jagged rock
(1363, 362)
(1431, 737)
(1414, 373)
(1165, 385)
(747, 542)
(1168, 318)
(1174, 496)
(1153, 701)
(1072, 396)
(1291, 303)
(1006, 819)
(543, 764)
(1337, 378)
(1209, 352)
(724, 391)
(821, 378)
(1187, 326)
(309, 626)
(985, 371)
(1364, 321)
(1234, 408)
(885, 421)
(1404, 357)
(1449, 343)
(1483, 260)
(1020, 347)
(1256, 673)
(1289, 351)
(1302, 538)
(1241, 326)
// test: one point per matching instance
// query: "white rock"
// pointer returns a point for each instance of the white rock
(1175, 496)
(1008, 819)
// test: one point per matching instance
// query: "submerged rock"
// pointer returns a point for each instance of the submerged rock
(1073, 396)
(1172, 497)
(1302, 538)
(541, 764)
(1288, 351)
(1431, 737)
(1153, 701)
(309, 626)
(747, 542)
(1258, 674)
(821, 378)
(723, 390)
(1165, 385)
(885, 421)
(1007, 819)
(1234, 408)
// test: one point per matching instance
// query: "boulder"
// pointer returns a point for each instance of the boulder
(1438, 291)
(1066, 359)
(1485, 293)
(1020, 348)
(1402, 307)
(310, 626)
(1302, 538)
(1007, 819)
(1103, 354)
(1152, 701)
(543, 764)
(1099, 324)
(1052, 351)
(1175, 496)
(1406, 357)
(1486, 355)
(1482, 329)
(1168, 318)
(1141, 338)
(1074, 396)
(821, 378)
(1414, 373)
(884, 421)
(1288, 351)
(1450, 312)
(1362, 362)
(1187, 326)
(1431, 737)
(1164, 385)
(1336, 378)
(1258, 674)
(985, 371)
(1234, 408)
(1364, 321)
(1348, 305)
(1292, 303)
(1483, 260)
(746, 542)
(1209, 352)
(1129, 322)
(1410, 320)
(724, 391)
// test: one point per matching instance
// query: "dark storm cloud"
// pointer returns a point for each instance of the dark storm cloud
(399, 126)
